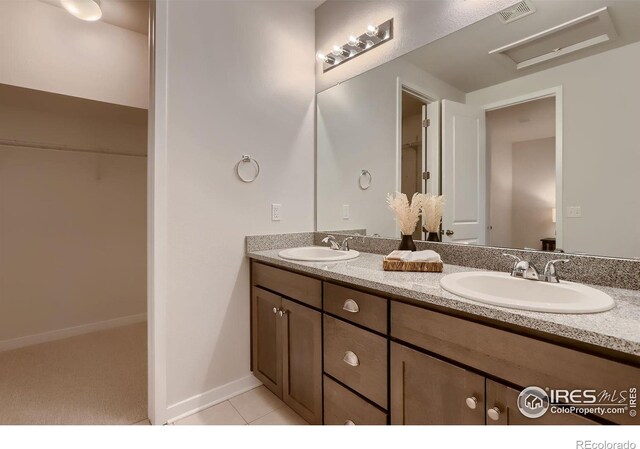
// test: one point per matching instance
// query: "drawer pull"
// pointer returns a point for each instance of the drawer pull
(275, 310)
(350, 358)
(348, 422)
(472, 402)
(494, 413)
(351, 306)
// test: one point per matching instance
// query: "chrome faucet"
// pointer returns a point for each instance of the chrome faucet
(331, 240)
(526, 270)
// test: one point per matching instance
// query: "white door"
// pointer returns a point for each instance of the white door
(463, 173)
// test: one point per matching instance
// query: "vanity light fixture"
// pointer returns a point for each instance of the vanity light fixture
(356, 45)
(88, 10)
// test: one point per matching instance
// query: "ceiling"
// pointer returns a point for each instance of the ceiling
(132, 15)
(462, 59)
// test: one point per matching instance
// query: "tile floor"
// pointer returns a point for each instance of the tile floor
(256, 407)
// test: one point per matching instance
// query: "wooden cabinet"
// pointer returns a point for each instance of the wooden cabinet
(426, 390)
(267, 339)
(503, 401)
(302, 360)
(342, 407)
(287, 351)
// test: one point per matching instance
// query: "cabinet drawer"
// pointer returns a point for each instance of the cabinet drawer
(357, 358)
(518, 359)
(361, 308)
(296, 286)
(341, 406)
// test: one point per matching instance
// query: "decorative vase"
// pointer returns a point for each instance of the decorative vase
(433, 237)
(407, 243)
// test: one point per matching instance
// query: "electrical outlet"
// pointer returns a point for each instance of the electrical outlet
(275, 212)
(345, 211)
(574, 212)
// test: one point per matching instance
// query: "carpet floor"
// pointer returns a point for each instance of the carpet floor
(96, 378)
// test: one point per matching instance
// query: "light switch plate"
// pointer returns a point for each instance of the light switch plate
(574, 212)
(275, 212)
(345, 211)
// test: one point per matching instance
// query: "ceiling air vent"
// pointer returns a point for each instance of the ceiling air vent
(517, 11)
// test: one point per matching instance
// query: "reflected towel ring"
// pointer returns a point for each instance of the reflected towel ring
(247, 159)
(365, 179)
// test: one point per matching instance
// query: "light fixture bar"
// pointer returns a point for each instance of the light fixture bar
(356, 45)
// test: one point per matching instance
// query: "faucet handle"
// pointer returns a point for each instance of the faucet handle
(328, 239)
(345, 243)
(550, 270)
(516, 258)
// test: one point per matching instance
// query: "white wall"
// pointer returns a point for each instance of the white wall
(601, 106)
(72, 224)
(534, 192)
(238, 83)
(44, 47)
(416, 23)
(357, 129)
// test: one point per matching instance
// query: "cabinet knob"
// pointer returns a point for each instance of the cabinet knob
(351, 306)
(494, 413)
(350, 358)
(472, 402)
(282, 312)
(348, 422)
(275, 310)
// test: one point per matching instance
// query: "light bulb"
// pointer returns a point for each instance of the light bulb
(340, 51)
(373, 31)
(325, 58)
(355, 41)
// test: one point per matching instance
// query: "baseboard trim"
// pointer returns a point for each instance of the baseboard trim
(209, 398)
(20, 342)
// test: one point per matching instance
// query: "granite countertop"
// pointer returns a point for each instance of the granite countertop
(617, 329)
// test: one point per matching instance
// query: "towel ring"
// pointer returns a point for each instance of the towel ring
(365, 179)
(247, 159)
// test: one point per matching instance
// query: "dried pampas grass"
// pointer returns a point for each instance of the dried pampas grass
(432, 208)
(407, 214)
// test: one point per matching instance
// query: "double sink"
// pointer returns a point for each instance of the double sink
(499, 289)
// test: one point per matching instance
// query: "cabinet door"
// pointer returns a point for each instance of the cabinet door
(426, 390)
(302, 361)
(504, 402)
(266, 330)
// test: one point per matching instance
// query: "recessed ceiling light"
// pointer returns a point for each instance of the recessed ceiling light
(88, 10)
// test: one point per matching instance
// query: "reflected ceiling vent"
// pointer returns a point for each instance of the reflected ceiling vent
(585, 31)
(517, 11)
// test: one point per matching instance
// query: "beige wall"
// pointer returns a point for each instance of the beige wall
(601, 151)
(416, 23)
(44, 47)
(72, 224)
(534, 192)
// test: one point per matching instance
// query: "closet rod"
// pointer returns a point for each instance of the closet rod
(45, 146)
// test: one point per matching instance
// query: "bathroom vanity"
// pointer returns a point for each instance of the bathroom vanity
(346, 343)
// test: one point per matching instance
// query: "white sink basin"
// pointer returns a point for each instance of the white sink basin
(317, 254)
(501, 289)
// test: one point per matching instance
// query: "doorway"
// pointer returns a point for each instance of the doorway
(522, 171)
(73, 214)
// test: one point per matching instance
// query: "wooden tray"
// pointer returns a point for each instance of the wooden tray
(399, 265)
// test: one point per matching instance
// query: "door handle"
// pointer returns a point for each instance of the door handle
(350, 358)
(449, 232)
(351, 306)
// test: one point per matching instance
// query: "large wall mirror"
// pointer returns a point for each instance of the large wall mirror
(529, 128)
